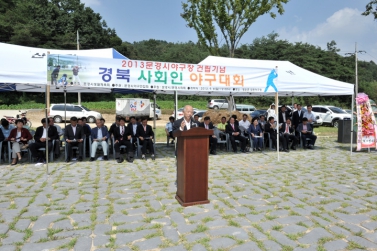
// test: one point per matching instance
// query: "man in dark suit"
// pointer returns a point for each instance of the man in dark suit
(99, 136)
(235, 134)
(207, 124)
(185, 123)
(40, 138)
(132, 128)
(74, 136)
(284, 114)
(270, 128)
(122, 136)
(297, 117)
(286, 134)
(145, 135)
(306, 130)
(114, 125)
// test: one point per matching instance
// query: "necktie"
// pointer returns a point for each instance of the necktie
(233, 126)
(286, 128)
(145, 129)
(122, 131)
(206, 126)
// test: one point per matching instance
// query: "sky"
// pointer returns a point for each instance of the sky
(316, 22)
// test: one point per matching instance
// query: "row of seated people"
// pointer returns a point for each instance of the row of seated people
(74, 135)
(122, 136)
(258, 129)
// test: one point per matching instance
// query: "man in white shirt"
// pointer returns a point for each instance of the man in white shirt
(185, 123)
(310, 115)
(245, 123)
(169, 129)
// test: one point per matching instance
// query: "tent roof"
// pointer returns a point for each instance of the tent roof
(24, 68)
(292, 80)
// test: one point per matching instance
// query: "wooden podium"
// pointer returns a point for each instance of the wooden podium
(192, 166)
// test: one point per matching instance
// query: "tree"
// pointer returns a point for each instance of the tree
(232, 17)
(371, 8)
(54, 24)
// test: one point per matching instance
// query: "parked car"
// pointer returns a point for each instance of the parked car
(217, 104)
(258, 113)
(200, 114)
(330, 114)
(180, 112)
(245, 108)
(57, 112)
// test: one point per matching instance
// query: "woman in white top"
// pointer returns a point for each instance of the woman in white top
(271, 112)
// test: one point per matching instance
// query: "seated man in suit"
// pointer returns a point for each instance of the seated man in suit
(235, 134)
(114, 125)
(306, 131)
(270, 128)
(287, 133)
(40, 138)
(284, 114)
(57, 141)
(169, 129)
(207, 124)
(122, 136)
(87, 131)
(132, 128)
(74, 136)
(145, 134)
(99, 136)
(196, 119)
(256, 133)
(103, 123)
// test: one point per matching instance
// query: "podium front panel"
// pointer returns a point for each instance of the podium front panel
(192, 176)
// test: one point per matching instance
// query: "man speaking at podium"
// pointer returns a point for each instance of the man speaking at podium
(185, 123)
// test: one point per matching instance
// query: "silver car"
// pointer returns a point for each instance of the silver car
(217, 104)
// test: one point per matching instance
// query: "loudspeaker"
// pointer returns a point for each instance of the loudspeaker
(344, 131)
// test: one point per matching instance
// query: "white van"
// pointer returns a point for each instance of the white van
(79, 111)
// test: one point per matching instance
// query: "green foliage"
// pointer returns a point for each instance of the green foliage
(54, 24)
(232, 17)
(371, 9)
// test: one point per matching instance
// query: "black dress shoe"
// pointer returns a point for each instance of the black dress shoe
(310, 147)
(91, 159)
(259, 149)
(213, 152)
(79, 158)
(67, 160)
(286, 150)
(56, 156)
(105, 158)
(120, 160)
(293, 148)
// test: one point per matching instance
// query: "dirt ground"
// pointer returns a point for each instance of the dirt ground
(36, 115)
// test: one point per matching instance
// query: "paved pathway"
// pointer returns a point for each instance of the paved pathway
(311, 200)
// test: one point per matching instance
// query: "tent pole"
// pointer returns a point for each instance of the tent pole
(277, 123)
(352, 126)
(47, 122)
(175, 105)
(65, 107)
(154, 111)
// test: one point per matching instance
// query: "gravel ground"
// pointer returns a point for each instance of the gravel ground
(322, 199)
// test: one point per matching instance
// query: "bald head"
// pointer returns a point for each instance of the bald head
(188, 112)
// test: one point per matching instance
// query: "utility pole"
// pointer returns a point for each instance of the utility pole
(78, 48)
(356, 74)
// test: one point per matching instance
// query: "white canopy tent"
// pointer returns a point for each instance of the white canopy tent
(27, 65)
(292, 80)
